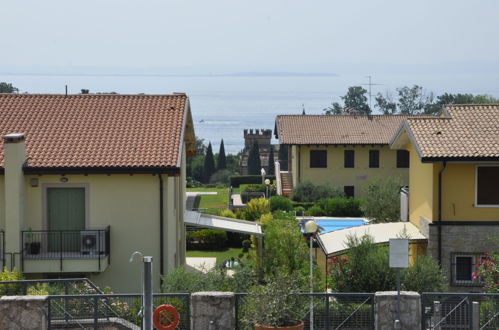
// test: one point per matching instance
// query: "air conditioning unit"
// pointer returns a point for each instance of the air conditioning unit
(89, 242)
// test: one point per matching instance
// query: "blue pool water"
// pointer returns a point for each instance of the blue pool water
(327, 225)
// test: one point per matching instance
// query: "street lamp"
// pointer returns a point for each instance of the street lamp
(267, 183)
(311, 230)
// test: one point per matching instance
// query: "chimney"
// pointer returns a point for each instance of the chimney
(14, 158)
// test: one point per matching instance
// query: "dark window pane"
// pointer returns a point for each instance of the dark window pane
(487, 185)
(464, 267)
(402, 159)
(349, 158)
(373, 158)
(349, 191)
(318, 158)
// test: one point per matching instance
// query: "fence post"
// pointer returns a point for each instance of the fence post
(327, 312)
(437, 314)
(96, 312)
(475, 315)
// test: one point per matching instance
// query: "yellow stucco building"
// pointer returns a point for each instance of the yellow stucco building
(454, 186)
(86, 180)
(348, 151)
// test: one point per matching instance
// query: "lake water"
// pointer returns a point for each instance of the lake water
(222, 106)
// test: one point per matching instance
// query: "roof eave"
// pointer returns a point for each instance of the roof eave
(459, 159)
(170, 170)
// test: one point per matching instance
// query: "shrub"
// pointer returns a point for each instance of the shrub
(10, 289)
(237, 180)
(365, 268)
(256, 208)
(314, 211)
(207, 239)
(221, 176)
(306, 191)
(255, 188)
(340, 207)
(382, 200)
(305, 205)
(246, 245)
(227, 214)
(280, 203)
(423, 276)
(489, 271)
(299, 210)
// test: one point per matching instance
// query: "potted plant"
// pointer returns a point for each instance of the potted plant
(29, 246)
(275, 305)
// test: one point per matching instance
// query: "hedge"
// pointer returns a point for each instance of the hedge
(237, 180)
(207, 239)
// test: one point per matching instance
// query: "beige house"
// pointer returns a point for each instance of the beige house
(348, 151)
(86, 180)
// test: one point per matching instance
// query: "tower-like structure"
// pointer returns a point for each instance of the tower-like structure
(263, 137)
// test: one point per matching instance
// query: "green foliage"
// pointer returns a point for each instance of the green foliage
(314, 211)
(280, 203)
(355, 101)
(271, 168)
(255, 188)
(305, 205)
(246, 245)
(195, 168)
(40, 289)
(237, 180)
(227, 214)
(382, 200)
(365, 268)
(274, 304)
(306, 191)
(424, 276)
(340, 207)
(283, 157)
(8, 88)
(256, 208)
(10, 289)
(185, 281)
(221, 176)
(209, 164)
(207, 239)
(286, 251)
(222, 159)
(489, 271)
(254, 163)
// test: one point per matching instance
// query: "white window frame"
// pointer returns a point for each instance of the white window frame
(476, 186)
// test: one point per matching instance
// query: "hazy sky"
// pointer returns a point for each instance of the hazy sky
(270, 35)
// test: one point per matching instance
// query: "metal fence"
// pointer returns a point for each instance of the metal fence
(72, 286)
(110, 310)
(460, 311)
(330, 311)
(65, 244)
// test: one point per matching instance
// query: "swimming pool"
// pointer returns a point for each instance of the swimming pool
(331, 224)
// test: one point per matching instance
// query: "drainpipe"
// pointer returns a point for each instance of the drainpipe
(161, 234)
(440, 173)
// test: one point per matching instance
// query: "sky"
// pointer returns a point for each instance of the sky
(222, 36)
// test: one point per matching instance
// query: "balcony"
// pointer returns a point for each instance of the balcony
(56, 251)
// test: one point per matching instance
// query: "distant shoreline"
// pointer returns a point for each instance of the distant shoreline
(179, 75)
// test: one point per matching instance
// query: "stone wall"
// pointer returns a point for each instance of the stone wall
(23, 312)
(464, 238)
(213, 310)
(385, 310)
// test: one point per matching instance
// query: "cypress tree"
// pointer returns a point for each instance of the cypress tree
(209, 164)
(254, 164)
(271, 170)
(222, 160)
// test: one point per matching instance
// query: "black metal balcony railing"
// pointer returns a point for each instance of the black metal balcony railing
(2, 248)
(66, 244)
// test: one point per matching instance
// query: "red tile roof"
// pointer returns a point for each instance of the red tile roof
(337, 129)
(97, 131)
(466, 131)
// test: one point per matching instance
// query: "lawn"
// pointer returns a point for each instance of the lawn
(210, 202)
(220, 255)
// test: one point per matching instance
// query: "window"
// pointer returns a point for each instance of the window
(487, 186)
(318, 158)
(349, 158)
(373, 158)
(464, 268)
(402, 159)
(349, 191)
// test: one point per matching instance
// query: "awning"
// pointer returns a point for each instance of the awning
(335, 241)
(228, 224)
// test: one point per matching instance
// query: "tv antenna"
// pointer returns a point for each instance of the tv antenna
(370, 84)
